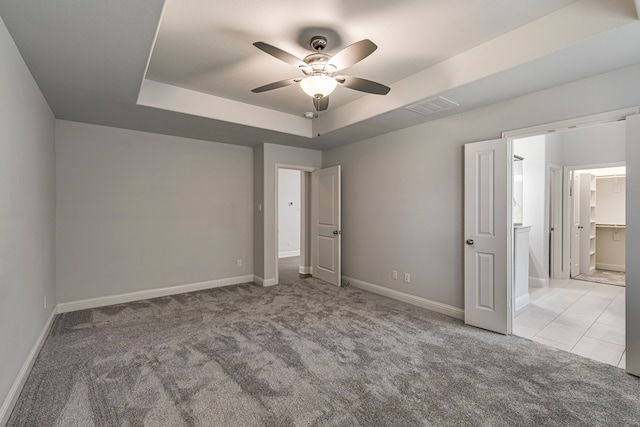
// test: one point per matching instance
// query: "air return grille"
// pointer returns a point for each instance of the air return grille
(432, 106)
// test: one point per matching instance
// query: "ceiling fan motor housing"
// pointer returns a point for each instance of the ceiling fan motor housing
(318, 63)
(318, 43)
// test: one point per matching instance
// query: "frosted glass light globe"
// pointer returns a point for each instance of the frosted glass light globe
(321, 85)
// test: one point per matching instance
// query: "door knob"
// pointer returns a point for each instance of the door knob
(580, 227)
(469, 241)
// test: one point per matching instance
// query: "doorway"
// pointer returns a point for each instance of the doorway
(571, 313)
(292, 239)
(598, 225)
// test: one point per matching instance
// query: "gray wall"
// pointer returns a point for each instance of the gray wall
(258, 214)
(633, 245)
(139, 211)
(402, 192)
(27, 213)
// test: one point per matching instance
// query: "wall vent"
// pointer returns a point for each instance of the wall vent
(432, 106)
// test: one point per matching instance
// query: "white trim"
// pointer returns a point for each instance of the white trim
(510, 239)
(612, 267)
(595, 119)
(21, 378)
(522, 303)
(305, 270)
(287, 254)
(151, 293)
(438, 307)
(264, 282)
(538, 282)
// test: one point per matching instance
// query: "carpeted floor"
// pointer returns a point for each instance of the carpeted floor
(306, 354)
(607, 277)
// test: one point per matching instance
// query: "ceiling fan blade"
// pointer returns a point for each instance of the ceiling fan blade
(352, 54)
(321, 104)
(280, 54)
(275, 85)
(363, 85)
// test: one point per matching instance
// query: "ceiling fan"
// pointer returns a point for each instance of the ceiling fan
(319, 70)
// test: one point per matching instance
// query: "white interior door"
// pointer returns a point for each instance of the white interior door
(575, 225)
(487, 193)
(555, 222)
(327, 233)
(585, 220)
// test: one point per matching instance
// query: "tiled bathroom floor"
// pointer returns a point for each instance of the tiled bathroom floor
(576, 316)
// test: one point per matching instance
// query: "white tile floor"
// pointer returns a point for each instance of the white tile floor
(584, 318)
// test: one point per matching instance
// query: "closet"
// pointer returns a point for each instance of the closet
(601, 221)
(610, 223)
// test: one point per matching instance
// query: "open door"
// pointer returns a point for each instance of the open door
(487, 198)
(574, 195)
(326, 225)
(555, 222)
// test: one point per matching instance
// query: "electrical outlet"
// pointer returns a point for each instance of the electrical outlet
(407, 278)
(394, 274)
(239, 263)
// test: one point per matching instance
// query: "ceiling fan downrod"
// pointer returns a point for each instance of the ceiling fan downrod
(318, 43)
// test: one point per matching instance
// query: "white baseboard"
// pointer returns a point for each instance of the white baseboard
(263, 282)
(151, 293)
(522, 302)
(305, 270)
(438, 307)
(611, 267)
(286, 254)
(23, 374)
(538, 282)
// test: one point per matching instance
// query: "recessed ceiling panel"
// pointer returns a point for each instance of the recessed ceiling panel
(207, 46)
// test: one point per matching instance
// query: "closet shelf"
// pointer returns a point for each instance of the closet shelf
(610, 225)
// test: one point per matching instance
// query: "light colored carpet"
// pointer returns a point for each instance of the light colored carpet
(306, 354)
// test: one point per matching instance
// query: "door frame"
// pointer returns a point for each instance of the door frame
(305, 200)
(567, 212)
(563, 125)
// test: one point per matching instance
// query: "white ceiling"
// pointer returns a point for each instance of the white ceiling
(207, 45)
(90, 60)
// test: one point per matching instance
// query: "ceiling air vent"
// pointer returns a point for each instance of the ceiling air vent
(432, 106)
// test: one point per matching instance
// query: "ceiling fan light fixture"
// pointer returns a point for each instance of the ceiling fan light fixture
(319, 85)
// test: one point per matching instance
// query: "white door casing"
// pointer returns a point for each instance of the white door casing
(487, 231)
(327, 233)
